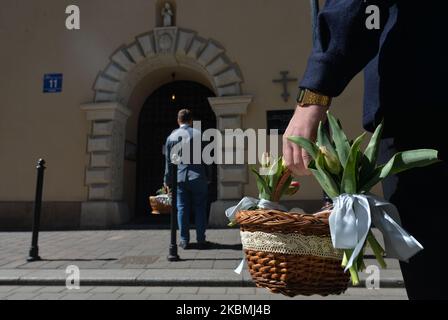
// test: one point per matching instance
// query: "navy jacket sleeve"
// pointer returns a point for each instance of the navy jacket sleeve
(344, 45)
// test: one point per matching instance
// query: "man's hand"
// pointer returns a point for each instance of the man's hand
(304, 123)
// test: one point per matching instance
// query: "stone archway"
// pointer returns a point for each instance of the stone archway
(161, 48)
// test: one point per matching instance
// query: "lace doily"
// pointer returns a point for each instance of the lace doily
(292, 243)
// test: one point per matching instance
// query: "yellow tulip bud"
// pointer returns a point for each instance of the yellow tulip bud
(332, 163)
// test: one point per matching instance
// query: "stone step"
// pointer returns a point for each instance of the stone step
(157, 277)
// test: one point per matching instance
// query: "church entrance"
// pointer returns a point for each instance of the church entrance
(158, 118)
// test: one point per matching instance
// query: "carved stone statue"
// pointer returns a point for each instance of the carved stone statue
(167, 15)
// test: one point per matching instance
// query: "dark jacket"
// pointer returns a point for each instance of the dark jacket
(193, 168)
(404, 63)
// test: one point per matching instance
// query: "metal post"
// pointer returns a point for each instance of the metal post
(34, 250)
(173, 256)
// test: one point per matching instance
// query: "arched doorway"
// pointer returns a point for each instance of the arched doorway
(156, 121)
(109, 188)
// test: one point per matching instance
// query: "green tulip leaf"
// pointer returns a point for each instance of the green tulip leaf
(372, 181)
(401, 162)
(409, 159)
(340, 139)
(350, 176)
(313, 168)
(306, 144)
(366, 171)
(369, 159)
(373, 148)
(262, 184)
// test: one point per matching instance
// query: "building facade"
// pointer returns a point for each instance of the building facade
(101, 136)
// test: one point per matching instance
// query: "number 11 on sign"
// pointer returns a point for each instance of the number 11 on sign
(53, 83)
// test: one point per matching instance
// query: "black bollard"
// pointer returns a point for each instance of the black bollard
(173, 256)
(34, 250)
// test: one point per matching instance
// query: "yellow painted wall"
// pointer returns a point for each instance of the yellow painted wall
(262, 36)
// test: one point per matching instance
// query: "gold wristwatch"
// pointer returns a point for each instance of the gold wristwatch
(307, 97)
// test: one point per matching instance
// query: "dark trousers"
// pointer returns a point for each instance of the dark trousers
(420, 195)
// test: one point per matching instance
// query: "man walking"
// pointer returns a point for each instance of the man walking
(192, 182)
(405, 77)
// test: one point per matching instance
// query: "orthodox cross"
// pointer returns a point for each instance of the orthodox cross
(284, 81)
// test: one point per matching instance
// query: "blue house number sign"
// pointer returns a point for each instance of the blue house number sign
(53, 83)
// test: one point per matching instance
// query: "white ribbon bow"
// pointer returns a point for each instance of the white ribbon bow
(248, 202)
(352, 217)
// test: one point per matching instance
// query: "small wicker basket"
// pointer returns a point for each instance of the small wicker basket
(292, 254)
(158, 206)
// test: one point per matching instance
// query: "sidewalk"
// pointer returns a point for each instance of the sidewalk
(132, 258)
(179, 293)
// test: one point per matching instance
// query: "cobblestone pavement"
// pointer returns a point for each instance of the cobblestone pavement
(138, 257)
(179, 293)
(121, 249)
(129, 249)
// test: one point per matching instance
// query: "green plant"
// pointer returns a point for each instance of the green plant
(163, 191)
(341, 167)
(273, 179)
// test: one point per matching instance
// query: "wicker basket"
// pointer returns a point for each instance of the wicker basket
(158, 206)
(292, 254)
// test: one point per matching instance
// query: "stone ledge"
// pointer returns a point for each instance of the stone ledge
(105, 111)
(230, 106)
(155, 277)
